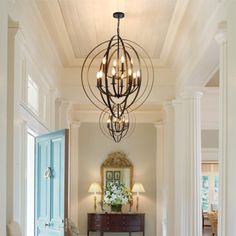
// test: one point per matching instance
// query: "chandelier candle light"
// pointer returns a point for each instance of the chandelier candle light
(116, 128)
(124, 78)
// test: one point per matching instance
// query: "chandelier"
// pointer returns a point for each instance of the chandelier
(117, 74)
(116, 128)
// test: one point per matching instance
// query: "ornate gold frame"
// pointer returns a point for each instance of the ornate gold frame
(116, 160)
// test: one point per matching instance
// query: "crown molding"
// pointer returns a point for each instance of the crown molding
(202, 59)
(174, 25)
(146, 114)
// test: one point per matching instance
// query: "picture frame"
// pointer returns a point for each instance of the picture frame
(117, 175)
(109, 175)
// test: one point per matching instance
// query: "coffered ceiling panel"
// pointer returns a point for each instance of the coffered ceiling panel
(77, 26)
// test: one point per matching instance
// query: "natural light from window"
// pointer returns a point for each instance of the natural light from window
(30, 182)
(33, 95)
(210, 187)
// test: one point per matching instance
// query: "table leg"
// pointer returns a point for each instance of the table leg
(101, 233)
(129, 233)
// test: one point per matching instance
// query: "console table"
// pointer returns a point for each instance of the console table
(115, 222)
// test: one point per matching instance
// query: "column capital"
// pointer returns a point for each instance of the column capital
(191, 93)
(221, 35)
(177, 101)
(159, 124)
(56, 93)
(76, 123)
(13, 27)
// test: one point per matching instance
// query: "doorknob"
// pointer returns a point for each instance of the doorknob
(47, 224)
(48, 173)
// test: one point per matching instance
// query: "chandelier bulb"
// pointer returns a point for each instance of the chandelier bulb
(113, 71)
(114, 63)
(138, 73)
(104, 60)
(122, 59)
(134, 75)
(130, 72)
(99, 74)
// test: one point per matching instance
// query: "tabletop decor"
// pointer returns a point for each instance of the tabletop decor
(95, 188)
(116, 195)
(138, 188)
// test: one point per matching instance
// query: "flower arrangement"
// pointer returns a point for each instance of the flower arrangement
(117, 194)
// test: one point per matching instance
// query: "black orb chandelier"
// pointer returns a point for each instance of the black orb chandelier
(117, 76)
(116, 128)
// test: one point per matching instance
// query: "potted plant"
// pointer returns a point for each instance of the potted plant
(116, 195)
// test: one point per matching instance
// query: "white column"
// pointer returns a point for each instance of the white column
(159, 176)
(74, 176)
(3, 112)
(168, 175)
(222, 40)
(195, 162)
(188, 165)
(180, 165)
(228, 125)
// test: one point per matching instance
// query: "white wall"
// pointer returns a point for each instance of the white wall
(141, 151)
(26, 55)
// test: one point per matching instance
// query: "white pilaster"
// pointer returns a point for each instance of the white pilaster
(168, 175)
(188, 164)
(73, 170)
(221, 38)
(62, 109)
(159, 177)
(3, 112)
(12, 30)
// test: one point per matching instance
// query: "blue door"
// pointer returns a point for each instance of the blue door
(51, 184)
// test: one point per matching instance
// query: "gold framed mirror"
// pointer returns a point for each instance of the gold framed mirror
(116, 168)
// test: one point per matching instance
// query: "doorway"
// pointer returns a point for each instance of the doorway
(30, 204)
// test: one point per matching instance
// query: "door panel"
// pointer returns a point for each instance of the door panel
(57, 183)
(43, 184)
(51, 184)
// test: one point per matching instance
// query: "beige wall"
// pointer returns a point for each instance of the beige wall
(141, 151)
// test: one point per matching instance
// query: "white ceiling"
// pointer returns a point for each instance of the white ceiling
(76, 26)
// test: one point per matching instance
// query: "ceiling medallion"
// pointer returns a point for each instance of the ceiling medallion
(118, 75)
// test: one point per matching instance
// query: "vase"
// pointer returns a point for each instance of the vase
(116, 208)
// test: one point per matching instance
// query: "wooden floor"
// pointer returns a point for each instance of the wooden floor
(207, 231)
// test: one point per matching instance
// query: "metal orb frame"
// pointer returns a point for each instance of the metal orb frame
(116, 128)
(125, 77)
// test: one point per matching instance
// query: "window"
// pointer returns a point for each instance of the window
(210, 186)
(205, 193)
(33, 95)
